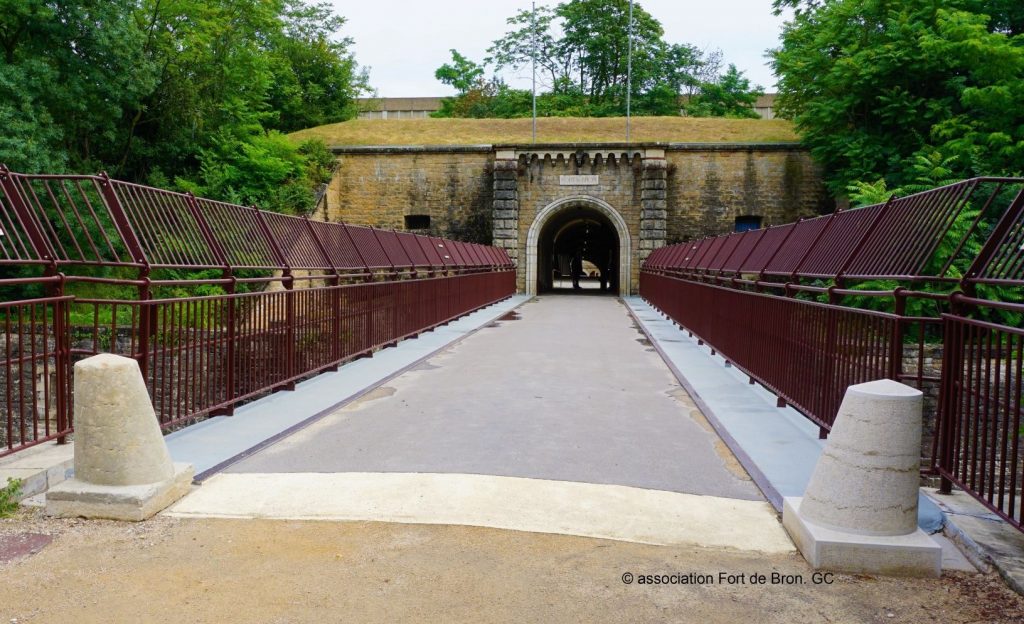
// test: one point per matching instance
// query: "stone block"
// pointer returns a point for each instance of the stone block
(75, 498)
(912, 554)
(867, 478)
(123, 470)
(504, 194)
(117, 438)
(859, 512)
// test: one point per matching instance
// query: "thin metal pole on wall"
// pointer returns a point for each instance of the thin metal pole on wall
(533, 58)
(629, 68)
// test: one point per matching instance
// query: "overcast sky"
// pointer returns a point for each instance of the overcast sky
(404, 41)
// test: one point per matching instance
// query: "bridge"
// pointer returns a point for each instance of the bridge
(527, 402)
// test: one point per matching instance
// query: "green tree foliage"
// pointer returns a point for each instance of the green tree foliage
(581, 49)
(189, 92)
(461, 73)
(730, 96)
(595, 33)
(874, 84)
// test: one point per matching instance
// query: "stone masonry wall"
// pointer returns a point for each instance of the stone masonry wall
(620, 185)
(653, 206)
(665, 193)
(708, 187)
(506, 206)
(380, 187)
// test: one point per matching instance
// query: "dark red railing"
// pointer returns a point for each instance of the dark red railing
(289, 298)
(777, 304)
(981, 413)
(807, 353)
(196, 362)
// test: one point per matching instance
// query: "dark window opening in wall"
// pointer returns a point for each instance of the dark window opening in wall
(747, 223)
(417, 222)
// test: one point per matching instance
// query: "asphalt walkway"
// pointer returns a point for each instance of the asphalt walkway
(571, 391)
(557, 418)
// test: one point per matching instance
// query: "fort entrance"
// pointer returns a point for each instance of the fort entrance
(583, 229)
(537, 201)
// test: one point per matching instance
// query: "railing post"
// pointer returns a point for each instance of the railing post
(121, 222)
(230, 323)
(24, 215)
(62, 360)
(896, 348)
(147, 326)
(393, 298)
(290, 320)
(995, 239)
(952, 365)
(949, 391)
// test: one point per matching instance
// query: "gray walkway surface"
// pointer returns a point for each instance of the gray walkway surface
(571, 392)
(779, 447)
(212, 442)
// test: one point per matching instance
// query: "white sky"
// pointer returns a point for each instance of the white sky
(404, 41)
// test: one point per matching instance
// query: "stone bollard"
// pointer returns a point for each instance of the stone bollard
(122, 468)
(859, 512)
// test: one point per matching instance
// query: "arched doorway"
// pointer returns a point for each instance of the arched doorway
(584, 225)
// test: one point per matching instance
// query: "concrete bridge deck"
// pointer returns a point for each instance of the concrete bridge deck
(542, 418)
(570, 392)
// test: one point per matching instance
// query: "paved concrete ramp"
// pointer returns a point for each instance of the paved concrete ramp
(534, 505)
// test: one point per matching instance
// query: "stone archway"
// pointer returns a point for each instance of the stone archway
(624, 269)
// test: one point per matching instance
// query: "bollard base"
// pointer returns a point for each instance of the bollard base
(916, 554)
(134, 503)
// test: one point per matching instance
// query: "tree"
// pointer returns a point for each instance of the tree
(873, 84)
(533, 39)
(596, 35)
(581, 51)
(189, 91)
(70, 70)
(462, 73)
(316, 77)
(729, 96)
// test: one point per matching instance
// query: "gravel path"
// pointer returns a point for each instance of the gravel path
(175, 570)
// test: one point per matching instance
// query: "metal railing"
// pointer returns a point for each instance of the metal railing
(218, 303)
(981, 413)
(788, 306)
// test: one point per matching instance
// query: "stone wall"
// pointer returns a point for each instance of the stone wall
(379, 186)
(663, 192)
(709, 186)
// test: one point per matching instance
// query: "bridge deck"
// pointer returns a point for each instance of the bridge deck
(569, 392)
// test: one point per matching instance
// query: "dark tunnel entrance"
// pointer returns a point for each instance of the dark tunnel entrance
(578, 252)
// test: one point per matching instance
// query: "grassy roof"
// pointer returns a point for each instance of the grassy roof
(550, 130)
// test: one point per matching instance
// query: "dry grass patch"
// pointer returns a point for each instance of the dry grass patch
(550, 130)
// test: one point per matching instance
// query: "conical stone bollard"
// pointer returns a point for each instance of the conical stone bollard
(859, 512)
(123, 470)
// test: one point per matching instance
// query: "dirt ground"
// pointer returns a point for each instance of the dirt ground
(176, 570)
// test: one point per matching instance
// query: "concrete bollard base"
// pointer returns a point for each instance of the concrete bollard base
(913, 554)
(78, 499)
